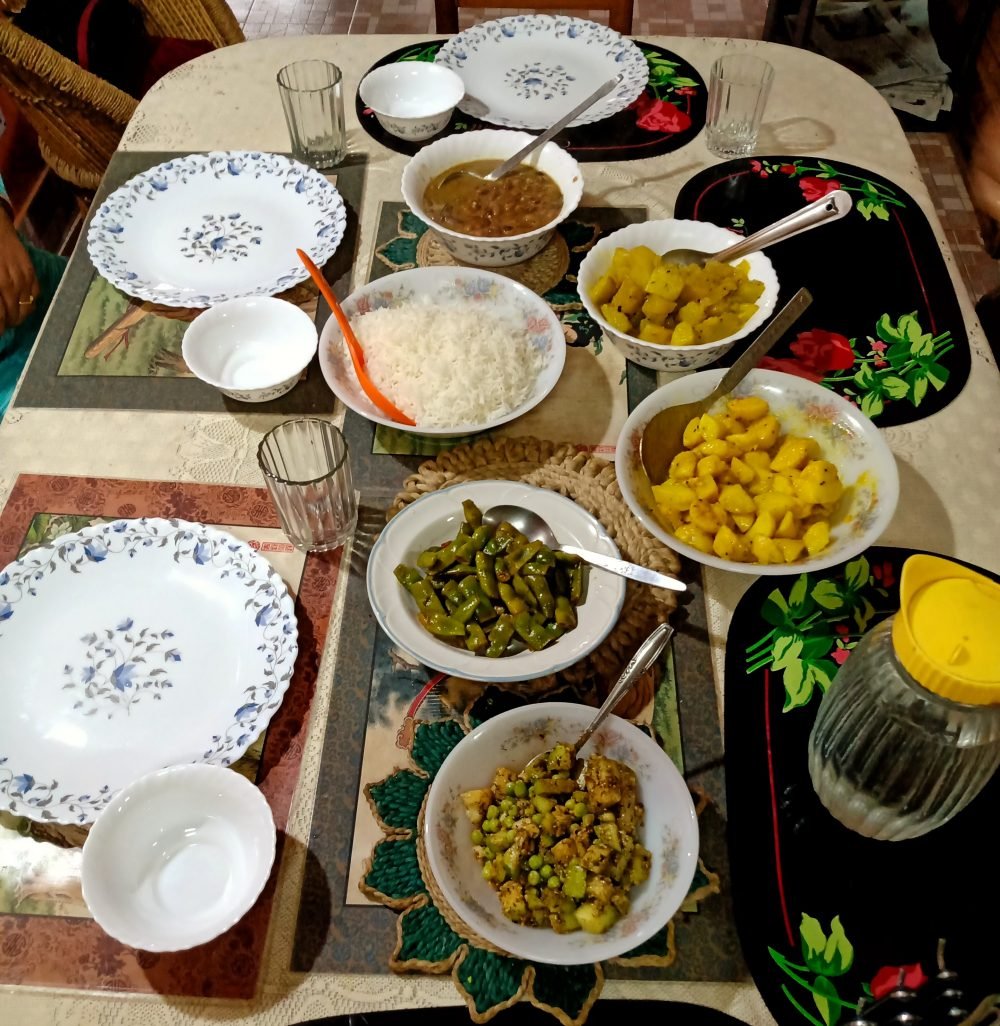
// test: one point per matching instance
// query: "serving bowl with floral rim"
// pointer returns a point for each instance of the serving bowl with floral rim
(846, 437)
(445, 287)
(490, 144)
(661, 237)
(669, 830)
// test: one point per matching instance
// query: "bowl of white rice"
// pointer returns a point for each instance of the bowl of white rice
(457, 349)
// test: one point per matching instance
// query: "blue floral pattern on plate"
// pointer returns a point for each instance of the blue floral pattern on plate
(500, 61)
(119, 665)
(282, 205)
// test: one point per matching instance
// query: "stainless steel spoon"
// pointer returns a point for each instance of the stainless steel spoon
(511, 162)
(831, 207)
(646, 654)
(534, 528)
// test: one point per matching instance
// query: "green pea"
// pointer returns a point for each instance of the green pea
(546, 872)
(588, 819)
(537, 819)
(554, 883)
(477, 837)
(489, 826)
(492, 812)
(507, 804)
(579, 796)
(510, 788)
(580, 810)
(520, 789)
(507, 820)
(535, 862)
(533, 878)
(488, 871)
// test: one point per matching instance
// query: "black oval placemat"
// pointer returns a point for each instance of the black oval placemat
(825, 915)
(885, 329)
(668, 114)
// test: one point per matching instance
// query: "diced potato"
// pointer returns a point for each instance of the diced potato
(725, 544)
(764, 525)
(765, 550)
(788, 528)
(743, 473)
(748, 408)
(628, 299)
(674, 495)
(691, 313)
(744, 521)
(692, 433)
(695, 537)
(642, 262)
(765, 430)
(817, 537)
(791, 548)
(649, 331)
(683, 334)
(709, 428)
(758, 460)
(782, 483)
(617, 320)
(829, 487)
(702, 517)
(705, 486)
(720, 447)
(603, 289)
(665, 282)
(656, 308)
(734, 499)
(683, 466)
(774, 502)
(711, 466)
(729, 425)
(793, 453)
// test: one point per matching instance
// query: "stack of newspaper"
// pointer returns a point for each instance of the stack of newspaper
(889, 43)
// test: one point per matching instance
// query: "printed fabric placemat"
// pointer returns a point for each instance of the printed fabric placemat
(665, 116)
(102, 349)
(47, 938)
(885, 329)
(831, 921)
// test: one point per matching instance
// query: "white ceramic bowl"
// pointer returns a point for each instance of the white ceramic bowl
(435, 518)
(253, 349)
(847, 438)
(178, 857)
(413, 99)
(670, 830)
(445, 285)
(445, 153)
(661, 237)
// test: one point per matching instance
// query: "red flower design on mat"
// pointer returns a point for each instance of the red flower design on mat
(884, 574)
(887, 979)
(787, 169)
(839, 655)
(816, 188)
(755, 165)
(686, 91)
(659, 115)
(815, 354)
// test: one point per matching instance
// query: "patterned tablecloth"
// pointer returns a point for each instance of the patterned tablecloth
(84, 457)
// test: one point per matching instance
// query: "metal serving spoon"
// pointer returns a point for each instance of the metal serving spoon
(830, 207)
(534, 528)
(511, 162)
(662, 437)
(647, 654)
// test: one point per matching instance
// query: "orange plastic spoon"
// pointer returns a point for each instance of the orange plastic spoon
(353, 345)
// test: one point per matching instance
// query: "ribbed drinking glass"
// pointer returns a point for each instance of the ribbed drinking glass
(305, 464)
(313, 99)
(737, 94)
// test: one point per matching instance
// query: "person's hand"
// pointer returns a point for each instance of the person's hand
(18, 284)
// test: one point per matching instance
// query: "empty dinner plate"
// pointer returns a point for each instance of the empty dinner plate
(129, 646)
(198, 230)
(528, 70)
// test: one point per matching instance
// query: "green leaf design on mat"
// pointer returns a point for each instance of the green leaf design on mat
(490, 979)
(432, 742)
(813, 940)
(426, 937)
(825, 990)
(395, 871)
(400, 253)
(398, 799)
(565, 987)
(827, 595)
(839, 952)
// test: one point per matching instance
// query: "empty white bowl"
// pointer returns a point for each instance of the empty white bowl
(178, 857)
(491, 251)
(252, 349)
(413, 99)
(661, 237)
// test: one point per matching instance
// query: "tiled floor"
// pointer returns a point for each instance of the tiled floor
(935, 152)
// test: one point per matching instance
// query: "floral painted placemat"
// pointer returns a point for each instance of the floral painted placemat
(595, 370)
(667, 115)
(827, 918)
(47, 938)
(885, 329)
(430, 937)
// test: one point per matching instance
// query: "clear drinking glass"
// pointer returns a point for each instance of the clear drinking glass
(737, 95)
(306, 467)
(313, 98)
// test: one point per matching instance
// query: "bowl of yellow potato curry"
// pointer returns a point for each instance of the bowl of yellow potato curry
(669, 316)
(781, 477)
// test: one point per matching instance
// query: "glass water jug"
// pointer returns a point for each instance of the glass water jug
(909, 731)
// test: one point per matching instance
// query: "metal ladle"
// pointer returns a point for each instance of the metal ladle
(534, 528)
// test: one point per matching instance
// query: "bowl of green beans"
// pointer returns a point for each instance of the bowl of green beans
(485, 603)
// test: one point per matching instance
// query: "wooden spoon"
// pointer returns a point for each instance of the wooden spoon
(353, 345)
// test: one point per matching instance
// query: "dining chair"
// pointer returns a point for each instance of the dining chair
(619, 11)
(80, 117)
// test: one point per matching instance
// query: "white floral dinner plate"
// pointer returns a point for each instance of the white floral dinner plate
(198, 230)
(528, 70)
(130, 646)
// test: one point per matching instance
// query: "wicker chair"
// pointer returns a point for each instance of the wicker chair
(619, 11)
(79, 117)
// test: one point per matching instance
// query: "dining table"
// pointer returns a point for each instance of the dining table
(108, 423)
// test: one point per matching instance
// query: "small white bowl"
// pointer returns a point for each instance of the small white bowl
(252, 349)
(669, 831)
(445, 153)
(412, 99)
(178, 857)
(445, 286)
(661, 237)
(847, 438)
(436, 517)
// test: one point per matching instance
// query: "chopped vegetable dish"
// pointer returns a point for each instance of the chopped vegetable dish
(563, 853)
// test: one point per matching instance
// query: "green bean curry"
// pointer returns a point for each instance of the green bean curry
(492, 591)
(563, 853)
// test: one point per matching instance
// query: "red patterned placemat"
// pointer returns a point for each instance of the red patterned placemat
(61, 951)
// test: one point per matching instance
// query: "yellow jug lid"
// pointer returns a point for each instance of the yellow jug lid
(947, 632)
